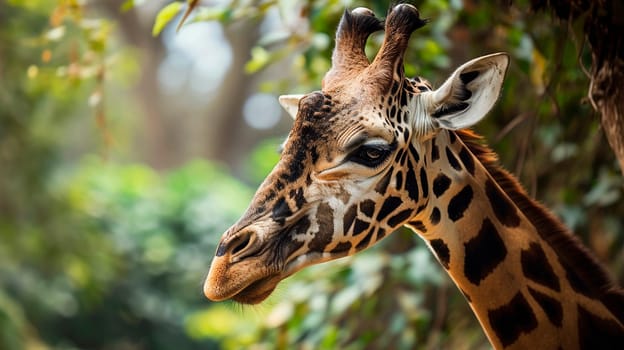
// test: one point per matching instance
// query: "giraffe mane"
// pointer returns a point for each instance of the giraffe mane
(573, 255)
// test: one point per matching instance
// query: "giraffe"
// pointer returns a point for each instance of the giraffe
(375, 150)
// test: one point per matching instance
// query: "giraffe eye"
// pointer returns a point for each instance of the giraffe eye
(373, 153)
(370, 155)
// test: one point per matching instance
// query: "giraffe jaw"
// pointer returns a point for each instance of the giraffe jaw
(239, 282)
(241, 285)
(257, 291)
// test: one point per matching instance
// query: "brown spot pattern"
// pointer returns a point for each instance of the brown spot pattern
(325, 234)
(536, 267)
(442, 251)
(512, 320)
(483, 253)
(503, 208)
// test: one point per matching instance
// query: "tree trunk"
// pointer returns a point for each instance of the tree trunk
(607, 93)
(155, 143)
(604, 25)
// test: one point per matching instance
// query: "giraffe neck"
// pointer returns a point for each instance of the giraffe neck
(518, 269)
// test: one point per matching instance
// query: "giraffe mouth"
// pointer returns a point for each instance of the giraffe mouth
(239, 283)
(257, 291)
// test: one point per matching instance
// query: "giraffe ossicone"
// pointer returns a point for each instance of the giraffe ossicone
(375, 150)
(290, 103)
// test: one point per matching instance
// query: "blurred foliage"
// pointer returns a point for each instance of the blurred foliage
(101, 253)
(158, 231)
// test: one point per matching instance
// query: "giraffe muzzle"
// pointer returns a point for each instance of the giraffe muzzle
(240, 272)
(244, 268)
(247, 267)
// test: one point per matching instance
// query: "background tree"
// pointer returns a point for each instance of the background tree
(602, 26)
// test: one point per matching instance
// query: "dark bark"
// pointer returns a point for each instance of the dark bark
(607, 93)
(603, 26)
(226, 123)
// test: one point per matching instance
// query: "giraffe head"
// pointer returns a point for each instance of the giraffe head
(352, 169)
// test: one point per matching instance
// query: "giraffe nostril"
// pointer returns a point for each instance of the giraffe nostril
(241, 244)
(237, 246)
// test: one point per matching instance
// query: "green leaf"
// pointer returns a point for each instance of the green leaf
(259, 59)
(214, 13)
(165, 16)
(127, 6)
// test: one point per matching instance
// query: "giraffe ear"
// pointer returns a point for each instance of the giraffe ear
(290, 103)
(469, 93)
